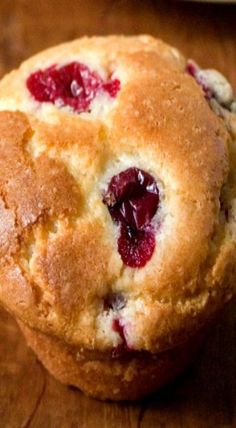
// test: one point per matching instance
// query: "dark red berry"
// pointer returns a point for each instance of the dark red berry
(194, 71)
(132, 198)
(123, 347)
(119, 328)
(73, 85)
(114, 301)
(135, 246)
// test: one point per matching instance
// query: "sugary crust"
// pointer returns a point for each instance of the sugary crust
(128, 378)
(58, 245)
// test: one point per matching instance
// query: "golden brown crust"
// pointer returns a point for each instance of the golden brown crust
(58, 245)
(126, 378)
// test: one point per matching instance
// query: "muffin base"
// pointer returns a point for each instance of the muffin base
(128, 377)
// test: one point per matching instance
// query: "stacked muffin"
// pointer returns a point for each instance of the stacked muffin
(117, 179)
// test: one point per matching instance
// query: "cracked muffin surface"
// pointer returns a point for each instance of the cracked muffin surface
(96, 174)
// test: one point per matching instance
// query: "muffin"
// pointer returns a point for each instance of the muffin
(118, 210)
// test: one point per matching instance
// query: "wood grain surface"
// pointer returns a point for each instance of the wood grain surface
(205, 397)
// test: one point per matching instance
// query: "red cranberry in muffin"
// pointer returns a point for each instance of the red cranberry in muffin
(73, 85)
(132, 199)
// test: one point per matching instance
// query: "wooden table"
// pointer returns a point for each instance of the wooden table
(206, 396)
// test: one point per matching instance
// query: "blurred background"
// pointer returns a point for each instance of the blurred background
(206, 32)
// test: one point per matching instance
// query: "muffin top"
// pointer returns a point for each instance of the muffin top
(118, 187)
